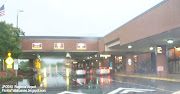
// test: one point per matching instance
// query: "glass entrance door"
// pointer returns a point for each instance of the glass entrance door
(174, 66)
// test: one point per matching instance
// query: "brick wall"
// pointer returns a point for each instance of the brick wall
(69, 45)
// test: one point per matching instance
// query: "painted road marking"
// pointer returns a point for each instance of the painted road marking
(155, 78)
(143, 85)
(178, 92)
(67, 92)
(128, 90)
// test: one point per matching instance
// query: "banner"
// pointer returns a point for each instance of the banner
(36, 45)
(81, 46)
(58, 45)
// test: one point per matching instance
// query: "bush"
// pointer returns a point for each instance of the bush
(7, 78)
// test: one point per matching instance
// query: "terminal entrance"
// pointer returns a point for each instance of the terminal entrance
(174, 60)
(174, 66)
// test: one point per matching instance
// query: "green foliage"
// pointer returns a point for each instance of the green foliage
(8, 78)
(9, 40)
(24, 66)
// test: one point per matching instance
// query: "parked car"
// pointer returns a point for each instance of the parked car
(91, 70)
(80, 72)
(103, 71)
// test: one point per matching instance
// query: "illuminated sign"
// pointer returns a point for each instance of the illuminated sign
(105, 55)
(81, 46)
(120, 58)
(111, 63)
(58, 45)
(36, 45)
(129, 61)
(159, 50)
(135, 58)
(178, 49)
(9, 66)
(75, 62)
(9, 61)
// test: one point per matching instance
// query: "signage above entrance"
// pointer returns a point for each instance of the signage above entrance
(81, 46)
(58, 45)
(159, 50)
(36, 45)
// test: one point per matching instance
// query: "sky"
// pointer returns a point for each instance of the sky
(83, 18)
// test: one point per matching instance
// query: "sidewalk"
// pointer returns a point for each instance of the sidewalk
(171, 77)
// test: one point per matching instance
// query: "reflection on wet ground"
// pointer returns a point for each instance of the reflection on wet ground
(56, 82)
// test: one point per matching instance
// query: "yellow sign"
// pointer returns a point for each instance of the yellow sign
(9, 66)
(9, 61)
(9, 54)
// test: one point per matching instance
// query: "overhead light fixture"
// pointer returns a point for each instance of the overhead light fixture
(151, 48)
(90, 57)
(83, 60)
(170, 41)
(68, 55)
(96, 60)
(33, 54)
(95, 56)
(129, 47)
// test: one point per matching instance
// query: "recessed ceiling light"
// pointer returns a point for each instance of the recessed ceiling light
(151, 48)
(129, 46)
(83, 60)
(170, 41)
(95, 56)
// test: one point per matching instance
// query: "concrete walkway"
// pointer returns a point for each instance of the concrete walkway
(171, 77)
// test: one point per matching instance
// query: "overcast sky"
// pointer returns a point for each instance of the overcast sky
(73, 17)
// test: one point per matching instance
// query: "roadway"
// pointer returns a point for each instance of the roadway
(56, 82)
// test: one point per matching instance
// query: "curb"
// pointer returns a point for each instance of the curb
(154, 78)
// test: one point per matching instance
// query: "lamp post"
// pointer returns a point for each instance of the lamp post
(17, 15)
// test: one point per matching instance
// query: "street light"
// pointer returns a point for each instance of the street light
(17, 15)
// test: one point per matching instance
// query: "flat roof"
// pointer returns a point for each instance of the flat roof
(59, 37)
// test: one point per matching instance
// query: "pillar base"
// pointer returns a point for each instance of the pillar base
(162, 74)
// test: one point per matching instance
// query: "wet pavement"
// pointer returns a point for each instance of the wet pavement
(58, 83)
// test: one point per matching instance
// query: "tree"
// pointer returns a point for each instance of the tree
(24, 66)
(9, 40)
